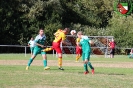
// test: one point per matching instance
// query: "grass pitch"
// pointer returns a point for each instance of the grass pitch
(109, 73)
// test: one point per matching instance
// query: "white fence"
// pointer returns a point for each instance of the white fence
(25, 48)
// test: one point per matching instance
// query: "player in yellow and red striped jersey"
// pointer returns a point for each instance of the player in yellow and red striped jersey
(60, 36)
(78, 50)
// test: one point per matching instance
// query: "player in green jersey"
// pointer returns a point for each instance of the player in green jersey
(39, 46)
(86, 50)
(31, 43)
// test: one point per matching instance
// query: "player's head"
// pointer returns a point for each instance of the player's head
(112, 40)
(32, 38)
(66, 30)
(79, 34)
(41, 31)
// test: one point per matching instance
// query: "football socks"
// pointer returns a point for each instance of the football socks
(60, 61)
(30, 61)
(89, 64)
(45, 63)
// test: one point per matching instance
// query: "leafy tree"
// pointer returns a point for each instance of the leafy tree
(122, 29)
(21, 19)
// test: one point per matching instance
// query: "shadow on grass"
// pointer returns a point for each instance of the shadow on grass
(109, 73)
(116, 74)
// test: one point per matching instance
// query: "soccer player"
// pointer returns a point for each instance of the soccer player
(112, 45)
(60, 36)
(31, 43)
(131, 53)
(86, 50)
(78, 49)
(39, 41)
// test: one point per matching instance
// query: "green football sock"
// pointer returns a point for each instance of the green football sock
(45, 63)
(89, 63)
(85, 67)
(30, 61)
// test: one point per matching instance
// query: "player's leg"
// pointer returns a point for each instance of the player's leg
(31, 59)
(85, 65)
(56, 47)
(86, 69)
(32, 49)
(78, 53)
(77, 57)
(49, 49)
(87, 55)
(45, 60)
(131, 56)
(58, 50)
(111, 53)
(92, 68)
(60, 61)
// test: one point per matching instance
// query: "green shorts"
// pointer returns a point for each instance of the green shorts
(38, 51)
(85, 55)
(32, 49)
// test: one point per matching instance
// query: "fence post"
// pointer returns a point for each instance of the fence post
(53, 53)
(25, 51)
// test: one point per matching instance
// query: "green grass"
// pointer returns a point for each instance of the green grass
(15, 76)
(65, 57)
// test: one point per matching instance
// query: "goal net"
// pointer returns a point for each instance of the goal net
(100, 46)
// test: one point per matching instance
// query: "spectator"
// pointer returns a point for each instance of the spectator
(131, 53)
(31, 43)
(112, 45)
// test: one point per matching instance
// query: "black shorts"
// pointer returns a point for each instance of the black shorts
(112, 51)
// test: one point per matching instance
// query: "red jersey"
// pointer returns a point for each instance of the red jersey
(112, 45)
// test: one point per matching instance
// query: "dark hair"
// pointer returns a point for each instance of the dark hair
(80, 33)
(66, 29)
(40, 29)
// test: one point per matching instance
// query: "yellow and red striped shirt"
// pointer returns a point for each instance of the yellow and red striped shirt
(59, 36)
(77, 40)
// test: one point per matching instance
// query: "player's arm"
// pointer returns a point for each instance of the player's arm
(63, 40)
(45, 44)
(91, 42)
(55, 33)
(78, 43)
(28, 43)
(40, 45)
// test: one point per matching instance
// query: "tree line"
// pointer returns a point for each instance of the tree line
(21, 19)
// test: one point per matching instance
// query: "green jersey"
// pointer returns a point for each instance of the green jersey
(31, 43)
(40, 40)
(84, 42)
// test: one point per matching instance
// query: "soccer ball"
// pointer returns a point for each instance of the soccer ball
(73, 32)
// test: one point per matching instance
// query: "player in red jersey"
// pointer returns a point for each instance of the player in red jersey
(112, 45)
